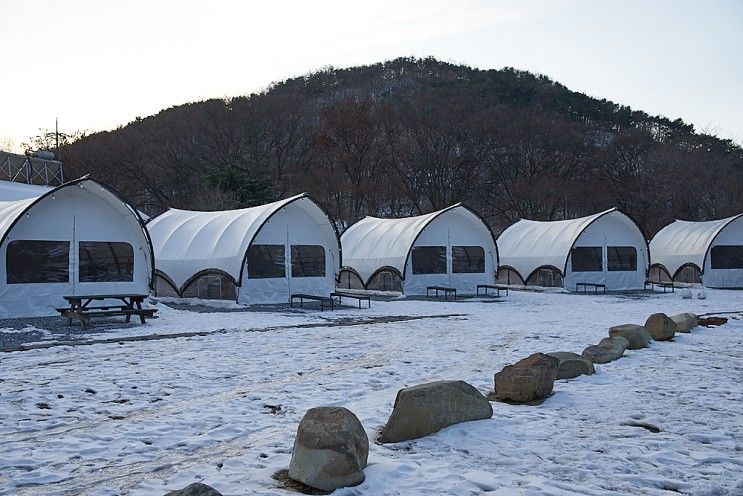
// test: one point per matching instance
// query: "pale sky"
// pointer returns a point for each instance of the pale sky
(99, 64)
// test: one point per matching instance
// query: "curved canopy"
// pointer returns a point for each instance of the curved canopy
(187, 242)
(683, 242)
(373, 243)
(530, 244)
(18, 199)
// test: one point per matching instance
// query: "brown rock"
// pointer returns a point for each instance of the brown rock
(527, 380)
(637, 335)
(661, 327)
(426, 408)
(330, 450)
(572, 365)
(685, 322)
(195, 489)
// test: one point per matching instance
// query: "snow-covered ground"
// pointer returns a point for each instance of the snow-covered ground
(145, 417)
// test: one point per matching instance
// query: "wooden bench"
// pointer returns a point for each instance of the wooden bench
(80, 308)
(324, 300)
(497, 288)
(443, 289)
(587, 285)
(664, 285)
(360, 298)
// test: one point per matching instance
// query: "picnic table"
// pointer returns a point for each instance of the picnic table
(80, 308)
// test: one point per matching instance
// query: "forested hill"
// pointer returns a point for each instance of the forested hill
(412, 135)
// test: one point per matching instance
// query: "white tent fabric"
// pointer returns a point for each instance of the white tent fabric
(683, 242)
(81, 211)
(373, 243)
(529, 245)
(12, 191)
(189, 242)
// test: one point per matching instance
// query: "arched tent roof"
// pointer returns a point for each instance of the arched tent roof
(530, 244)
(187, 241)
(373, 243)
(683, 242)
(11, 211)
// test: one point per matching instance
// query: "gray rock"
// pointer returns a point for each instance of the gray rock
(426, 408)
(661, 327)
(637, 335)
(572, 365)
(330, 450)
(608, 349)
(685, 322)
(686, 294)
(527, 380)
(195, 489)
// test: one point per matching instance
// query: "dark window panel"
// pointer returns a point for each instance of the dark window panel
(429, 260)
(467, 260)
(37, 262)
(308, 261)
(621, 258)
(727, 257)
(105, 261)
(266, 261)
(587, 259)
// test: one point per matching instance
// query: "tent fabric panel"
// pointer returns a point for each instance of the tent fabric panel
(82, 210)
(683, 242)
(730, 235)
(373, 243)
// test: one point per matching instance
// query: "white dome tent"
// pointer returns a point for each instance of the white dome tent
(452, 247)
(79, 238)
(709, 252)
(606, 248)
(253, 255)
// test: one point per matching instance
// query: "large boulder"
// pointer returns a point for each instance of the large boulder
(572, 365)
(608, 349)
(527, 380)
(426, 408)
(685, 322)
(661, 327)
(330, 450)
(637, 335)
(195, 489)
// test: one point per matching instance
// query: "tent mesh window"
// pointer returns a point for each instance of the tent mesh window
(349, 280)
(429, 260)
(546, 277)
(657, 274)
(509, 276)
(105, 261)
(266, 261)
(621, 258)
(37, 262)
(385, 280)
(688, 274)
(163, 288)
(308, 261)
(727, 257)
(587, 259)
(211, 286)
(467, 260)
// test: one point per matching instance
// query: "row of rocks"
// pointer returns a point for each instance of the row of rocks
(331, 447)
